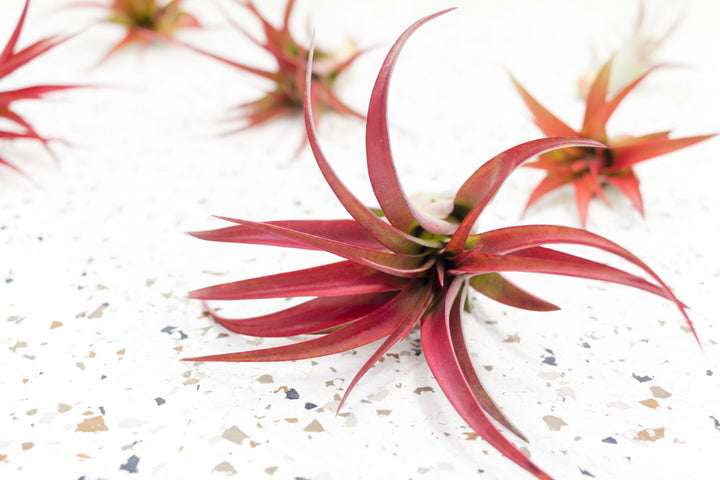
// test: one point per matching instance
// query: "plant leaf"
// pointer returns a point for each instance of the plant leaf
(335, 279)
(312, 316)
(374, 326)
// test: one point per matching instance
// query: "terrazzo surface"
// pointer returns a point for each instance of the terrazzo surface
(95, 266)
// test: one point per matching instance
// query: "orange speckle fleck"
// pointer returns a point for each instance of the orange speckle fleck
(94, 424)
(25, 380)
(92, 354)
(181, 448)
(470, 435)
(27, 445)
(254, 444)
(291, 420)
(82, 455)
(651, 434)
(178, 349)
(121, 352)
(650, 403)
(2, 457)
(55, 324)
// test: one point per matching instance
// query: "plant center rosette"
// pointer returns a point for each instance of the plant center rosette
(409, 263)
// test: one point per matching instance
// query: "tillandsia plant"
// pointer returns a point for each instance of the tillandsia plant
(290, 55)
(633, 58)
(145, 21)
(11, 59)
(408, 267)
(591, 170)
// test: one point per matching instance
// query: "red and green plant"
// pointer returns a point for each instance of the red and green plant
(145, 21)
(406, 267)
(591, 170)
(11, 59)
(286, 96)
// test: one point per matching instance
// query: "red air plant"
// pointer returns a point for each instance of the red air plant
(145, 20)
(410, 268)
(291, 57)
(12, 59)
(590, 170)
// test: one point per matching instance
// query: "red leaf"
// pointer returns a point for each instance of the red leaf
(394, 239)
(441, 357)
(374, 326)
(308, 317)
(546, 121)
(344, 231)
(495, 286)
(383, 175)
(402, 328)
(477, 191)
(336, 279)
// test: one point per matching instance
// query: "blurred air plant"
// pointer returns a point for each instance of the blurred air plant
(406, 267)
(590, 170)
(286, 95)
(11, 59)
(145, 21)
(633, 58)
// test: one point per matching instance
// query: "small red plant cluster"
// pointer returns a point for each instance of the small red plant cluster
(11, 59)
(408, 267)
(145, 20)
(590, 170)
(290, 55)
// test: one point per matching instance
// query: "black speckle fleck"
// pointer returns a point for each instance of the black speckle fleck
(480, 470)
(717, 423)
(292, 394)
(102, 410)
(550, 361)
(586, 473)
(8, 280)
(131, 465)
(103, 377)
(642, 379)
(609, 440)
(709, 373)
(549, 350)
(645, 340)
(310, 406)
(585, 345)
(159, 400)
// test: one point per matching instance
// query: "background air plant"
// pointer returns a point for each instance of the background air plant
(413, 268)
(11, 59)
(590, 170)
(145, 21)
(633, 58)
(290, 55)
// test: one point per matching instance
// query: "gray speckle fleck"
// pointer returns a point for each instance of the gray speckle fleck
(175, 333)
(717, 423)
(709, 373)
(549, 361)
(8, 280)
(642, 379)
(310, 406)
(131, 465)
(610, 440)
(159, 400)
(585, 345)
(292, 394)
(586, 473)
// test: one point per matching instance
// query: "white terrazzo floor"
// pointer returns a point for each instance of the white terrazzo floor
(95, 267)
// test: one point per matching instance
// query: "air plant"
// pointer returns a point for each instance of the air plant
(591, 170)
(286, 95)
(406, 267)
(11, 59)
(633, 58)
(145, 21)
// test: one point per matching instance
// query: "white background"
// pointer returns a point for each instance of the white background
(95, 267)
